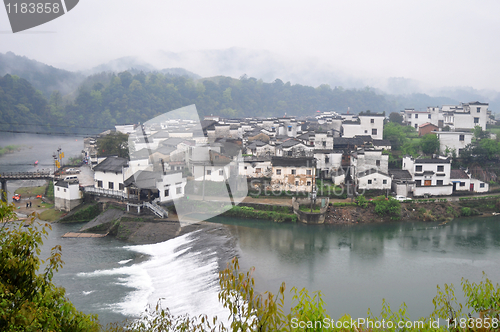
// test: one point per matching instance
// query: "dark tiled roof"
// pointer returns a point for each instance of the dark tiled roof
(371, 114)
(289, 143)
(172, 141)
(370, 171)
(433, 161)
(356, 140)
(458, 174)
(298, 162)
(477, 103)
(351, 122)
(400, 174)
(165, 150)
(381, 142)
(62, 183)
(256, 144)
(111, 164)
(143, 179)
(251, 159)
(141, 154)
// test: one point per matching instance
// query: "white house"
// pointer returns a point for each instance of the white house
(463, 182)
(371, 179)
(417, 118)
(292, 174)
(109, 174)
(256, 167)
(165, 186)
(431, 176)
(453, 141)
(67, 195)
(293, 148)
(216, 168)
(171, 186)
(327, 161)
(368, 159)
(259, 148)
(371, 124)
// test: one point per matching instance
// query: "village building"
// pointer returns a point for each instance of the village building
(450, 141)
(402, 182)
(463, 182)
(327, 161)
(67, 194)
(108, 175)
(426, 128)
(431, 176)
(292, 174)
(373, 179)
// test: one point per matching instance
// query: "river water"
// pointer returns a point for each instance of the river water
(355, 267)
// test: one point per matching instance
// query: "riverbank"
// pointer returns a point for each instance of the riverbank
(147, 229)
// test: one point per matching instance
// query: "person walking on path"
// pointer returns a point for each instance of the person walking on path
(30, 203)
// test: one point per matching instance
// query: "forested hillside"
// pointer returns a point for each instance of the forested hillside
(21, 104)
(106, 99)
(43, 77)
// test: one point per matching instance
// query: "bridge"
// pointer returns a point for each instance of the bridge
(4, 177)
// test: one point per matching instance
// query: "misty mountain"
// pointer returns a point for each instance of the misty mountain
(135, 65)
(43, 77)
(122, 64)
(236, 62)
(267, 66)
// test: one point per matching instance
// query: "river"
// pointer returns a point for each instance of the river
(355, 266)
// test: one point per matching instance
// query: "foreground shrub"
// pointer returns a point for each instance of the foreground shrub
(29, 301)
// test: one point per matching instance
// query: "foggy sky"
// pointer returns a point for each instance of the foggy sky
(439, 43)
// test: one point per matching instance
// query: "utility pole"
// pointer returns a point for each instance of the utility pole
(313, 184)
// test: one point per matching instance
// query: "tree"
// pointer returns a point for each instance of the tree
(114, 144)
(479, 133)
(430, 144)
(395, 117)
(396, 134)
(29, 301)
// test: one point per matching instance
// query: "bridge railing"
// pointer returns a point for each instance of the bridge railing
(108, 192)
(34, 175)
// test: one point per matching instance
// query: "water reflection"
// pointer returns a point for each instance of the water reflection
(356, 266)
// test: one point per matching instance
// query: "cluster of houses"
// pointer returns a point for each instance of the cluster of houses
(452, 124)
(283, 154)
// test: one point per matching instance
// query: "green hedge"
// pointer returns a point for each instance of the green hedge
(249, 212)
